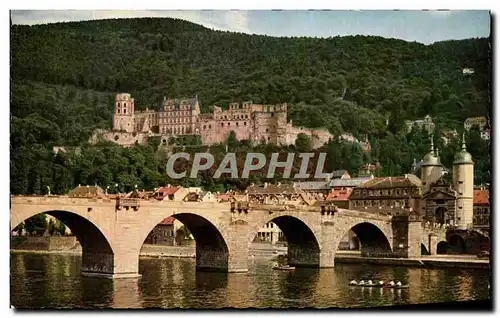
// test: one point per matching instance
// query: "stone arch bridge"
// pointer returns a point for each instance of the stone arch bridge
(112, 232)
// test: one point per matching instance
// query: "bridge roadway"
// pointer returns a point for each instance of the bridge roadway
(112, 232)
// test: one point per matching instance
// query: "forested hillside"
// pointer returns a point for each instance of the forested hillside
(64, 77)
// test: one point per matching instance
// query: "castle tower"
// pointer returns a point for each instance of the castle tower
(463, 184)
(124, 113)
(431, 168)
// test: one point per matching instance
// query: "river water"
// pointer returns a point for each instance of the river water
(54, 281)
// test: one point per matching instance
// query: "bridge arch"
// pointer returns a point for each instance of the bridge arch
(442, 247)
(373, 239)
(212, 252)
(423, 249)
(97, 247)
(303, 245)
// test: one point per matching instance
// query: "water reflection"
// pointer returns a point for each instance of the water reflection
(126, 293)
(54, 281)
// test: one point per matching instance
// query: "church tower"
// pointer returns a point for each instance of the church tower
(431, 168)
(124, 113)
(463, 184)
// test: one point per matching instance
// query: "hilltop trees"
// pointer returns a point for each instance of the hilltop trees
(64, 78)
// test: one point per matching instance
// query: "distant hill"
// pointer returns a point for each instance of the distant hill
(151, 58)
(64, 77)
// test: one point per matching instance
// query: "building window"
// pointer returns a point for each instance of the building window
(237, 124)
(460, 182)
(209, 126)
(229, 124)
(124, 110)
(222, 124)
(272, 114)
(244, 123)
(267, 130)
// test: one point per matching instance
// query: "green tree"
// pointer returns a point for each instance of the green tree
(232, 141)
(36, 224)
(51, 227)
(303, 143)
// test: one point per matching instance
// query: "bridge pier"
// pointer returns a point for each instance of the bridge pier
(433, 242)
(123, 265)
(407, 231)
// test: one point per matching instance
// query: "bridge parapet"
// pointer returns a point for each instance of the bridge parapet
(364, 215)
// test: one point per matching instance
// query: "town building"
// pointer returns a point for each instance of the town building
(369, 169)
(277, 194)
(342, 184)
(163, 233)
(481, 206)
(87, 192)
(479, 122)
(270, 233)
(365, 145)
(426, 124)
(437, 201)
(387, 194)
(340, 197)
(447, 135)
(180, 117)
(170, 193)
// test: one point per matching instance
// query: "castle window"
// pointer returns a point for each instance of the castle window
(268, 138)
(460, 207)
(209, 126)
(204, 127)
(229, 124)
(272, 114)
(267, 130)
(222, 124)
(116, 137)
(460, 182)
(118, 110)
(424, 183)
(124, 110)
(244, 123)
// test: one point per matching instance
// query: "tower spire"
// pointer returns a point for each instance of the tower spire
(432, 144)
(464, 148)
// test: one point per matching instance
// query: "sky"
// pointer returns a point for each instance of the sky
(421, 26)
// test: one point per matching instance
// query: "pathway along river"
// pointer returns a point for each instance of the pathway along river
(54, 281)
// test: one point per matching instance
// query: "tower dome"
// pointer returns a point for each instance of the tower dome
(463, 157)
(432, 158)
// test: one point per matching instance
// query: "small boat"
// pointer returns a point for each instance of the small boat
(396, 286)
(283, 267)
(380, 284)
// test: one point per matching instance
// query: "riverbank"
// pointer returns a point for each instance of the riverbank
(442, 261)
(271, 252)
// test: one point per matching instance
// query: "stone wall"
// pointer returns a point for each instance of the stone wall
(45, 243)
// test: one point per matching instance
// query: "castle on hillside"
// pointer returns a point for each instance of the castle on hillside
(180, 117)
